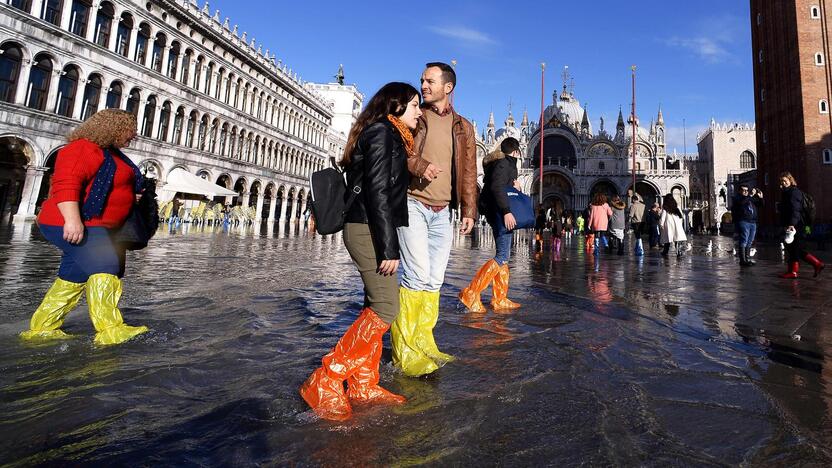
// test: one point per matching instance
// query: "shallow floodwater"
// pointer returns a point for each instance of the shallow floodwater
(617, 361)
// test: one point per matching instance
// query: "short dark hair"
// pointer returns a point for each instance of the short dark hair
(509, 145)
(448, 73)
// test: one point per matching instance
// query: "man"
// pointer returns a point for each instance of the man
(744, 209)
(443, 176)
(636, 220)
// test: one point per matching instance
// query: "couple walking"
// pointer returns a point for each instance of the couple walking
(413, 161)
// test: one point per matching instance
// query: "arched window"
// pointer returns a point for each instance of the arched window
(818, 58)
(142, 41)
(218, 84)
(149, 115)
(114, 95)
(747, 160)
(232, 142)
(186, 66)
(52, 11)
(241, 142)
(203, 131)
(823, 106)
(164, 121)
(9, 71)
(92, 94)
(827, 156)
(190, 129)
(212, 136)
(133, 102)
(104, 23)
(158, 49)
(125, 25)
(40, 78)
(601, 166)
(21, 4)
(228, 85)
(79, 17)
(209, 73)
(815, 12)
(173, 58)
(223, 137)
(67, 88)
(198, 72)
(177, 126)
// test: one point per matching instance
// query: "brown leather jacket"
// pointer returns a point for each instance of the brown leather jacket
(463, 165)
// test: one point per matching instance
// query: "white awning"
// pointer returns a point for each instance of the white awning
(180, 180)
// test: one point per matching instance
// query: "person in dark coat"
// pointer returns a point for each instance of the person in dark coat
(792, 218)
(500, 168)
(744, 209)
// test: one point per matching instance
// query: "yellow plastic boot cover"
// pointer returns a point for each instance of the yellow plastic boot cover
(408, 345)
(428, 322)
(103, 294)
(59, 301)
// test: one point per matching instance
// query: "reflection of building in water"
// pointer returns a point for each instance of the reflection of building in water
(726, 153)
(208, 99)
(579, 160)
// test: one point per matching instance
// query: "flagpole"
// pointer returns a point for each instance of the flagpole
(451, 97)
(542, 107)
(633, 68)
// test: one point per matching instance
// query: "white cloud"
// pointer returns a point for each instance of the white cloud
(462, 33)
(713, 40)
(709, 49)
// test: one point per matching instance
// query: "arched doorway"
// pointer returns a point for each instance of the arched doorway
(46, 182)
(240, 188)
(554, 202)
(290, 203)
(278, 207)
(268, 201)
(223, 180)
(13, 162)
(555, 187)
(557, 151)
(649, 194)
(254, 194)
(604, 186)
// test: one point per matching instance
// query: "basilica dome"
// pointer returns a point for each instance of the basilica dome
(566, 108)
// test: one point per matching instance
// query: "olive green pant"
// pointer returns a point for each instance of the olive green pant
(381, 293)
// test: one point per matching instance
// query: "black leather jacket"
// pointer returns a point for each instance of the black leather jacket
(500, 174)
(380, 161)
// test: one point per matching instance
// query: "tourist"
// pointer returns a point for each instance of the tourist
(557, 224)
(672, 224)
(375, 159)
(652, 219)
(500, 168)
(793, 218)
(744, 209)
(599, 216)
(568, 226)
(636, 219)
(617, 225)
(94, 188)
(580, 223)
(444, 176)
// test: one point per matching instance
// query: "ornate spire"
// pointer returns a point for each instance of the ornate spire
(620, 118)
(491, 120)
(525, 121)
(660, 118)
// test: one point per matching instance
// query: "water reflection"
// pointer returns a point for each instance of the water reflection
(610, 361)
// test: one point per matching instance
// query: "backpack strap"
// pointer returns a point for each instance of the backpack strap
(356, 190)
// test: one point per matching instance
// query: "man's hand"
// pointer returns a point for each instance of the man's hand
(431, 172)
(509, 221)
(517, 185)
(388, 267)
(467, 225)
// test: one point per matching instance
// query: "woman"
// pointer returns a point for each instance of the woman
(93, 189)
(599, 216)
(792, 219)
(375, 160)
(672, 226)
(500, 169)
(617, 224)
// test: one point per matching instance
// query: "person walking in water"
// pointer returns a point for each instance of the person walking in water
(672, 226)
(744, 209)
(444, 176)
(93, 189)
(636, 218)
(500, 168)
(617, 225)
(375, 160)
(599, 216)
(793, 218)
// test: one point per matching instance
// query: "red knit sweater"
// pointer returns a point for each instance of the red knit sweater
(75, 170)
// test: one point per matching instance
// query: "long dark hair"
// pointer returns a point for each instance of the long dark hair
(392, 98)
(669, 204)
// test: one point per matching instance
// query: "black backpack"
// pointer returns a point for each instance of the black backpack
(330, 201)
(808, 209)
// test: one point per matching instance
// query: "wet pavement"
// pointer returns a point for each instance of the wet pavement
(610, 361)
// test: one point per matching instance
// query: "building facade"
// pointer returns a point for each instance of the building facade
(346, 102)
(579, 161)
(792, 95)
(208, 99)
(726, 153)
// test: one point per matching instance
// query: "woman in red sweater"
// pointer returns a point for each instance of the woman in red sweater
(93, 190)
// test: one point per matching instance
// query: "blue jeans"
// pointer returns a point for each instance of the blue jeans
(503, 243)
(95, 254)
(425, 246)
(748, 230)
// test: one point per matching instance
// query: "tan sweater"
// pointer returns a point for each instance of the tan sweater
(439, 149)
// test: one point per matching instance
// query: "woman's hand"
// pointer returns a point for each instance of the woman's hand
(388, 267)
(509, 221)
(517, 185)
(73, 231)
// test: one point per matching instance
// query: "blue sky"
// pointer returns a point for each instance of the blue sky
(693, 58)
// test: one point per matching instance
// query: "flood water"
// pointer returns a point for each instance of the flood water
(683, 362)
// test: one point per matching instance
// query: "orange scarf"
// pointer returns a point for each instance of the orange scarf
(406, 133)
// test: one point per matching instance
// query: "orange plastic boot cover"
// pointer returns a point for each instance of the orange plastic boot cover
(470, 296)
(500, 299)
(362, 386)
